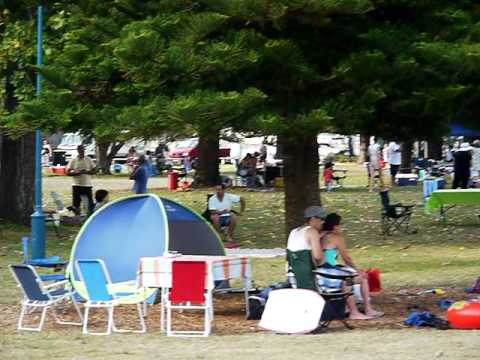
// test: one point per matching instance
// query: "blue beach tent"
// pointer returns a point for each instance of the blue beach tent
(123, 231)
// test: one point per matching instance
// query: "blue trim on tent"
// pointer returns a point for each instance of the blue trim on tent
(458, 129)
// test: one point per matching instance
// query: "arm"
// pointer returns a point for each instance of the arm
(313, 238)
(71, 171)
(342, 249)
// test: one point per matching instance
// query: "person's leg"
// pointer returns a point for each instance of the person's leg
(76, 193)
(231, 227)
(371, 177)
(355, 314)
(393, 173)
(380, 178)
(89, 195)
(365, 289)
(456, 181)
(216, 222)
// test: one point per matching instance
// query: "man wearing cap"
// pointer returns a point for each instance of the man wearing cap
(304, 251)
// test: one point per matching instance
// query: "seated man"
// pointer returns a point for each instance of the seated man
(221, 214)
(304, 251)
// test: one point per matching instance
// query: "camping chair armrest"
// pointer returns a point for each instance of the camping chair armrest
(56, 284)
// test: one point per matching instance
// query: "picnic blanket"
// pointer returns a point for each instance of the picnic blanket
(439, 198)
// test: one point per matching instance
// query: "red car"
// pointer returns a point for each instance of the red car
(189, 149)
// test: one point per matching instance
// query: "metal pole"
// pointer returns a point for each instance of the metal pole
(38, 217)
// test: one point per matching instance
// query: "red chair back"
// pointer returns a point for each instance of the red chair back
(188, 281)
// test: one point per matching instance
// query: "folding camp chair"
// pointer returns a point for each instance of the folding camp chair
(189, 291)
(38, 295)
(339, 176)
(328, 282)
(95, 276)
(395, 217)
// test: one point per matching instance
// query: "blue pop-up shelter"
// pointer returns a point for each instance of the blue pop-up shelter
(458, 129)
(123, 231)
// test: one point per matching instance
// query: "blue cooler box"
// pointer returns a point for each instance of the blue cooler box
(406, 179)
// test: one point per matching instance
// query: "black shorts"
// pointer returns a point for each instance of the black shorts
(394, 169)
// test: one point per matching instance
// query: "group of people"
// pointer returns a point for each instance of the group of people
(322, 237)
(376, 162)
(81, 168)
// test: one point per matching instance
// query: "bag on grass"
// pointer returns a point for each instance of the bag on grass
(256, 305)
(374, 282)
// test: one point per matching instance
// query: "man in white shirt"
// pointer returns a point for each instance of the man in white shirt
(221, 213)
(304, 251)
(394, 159)
(375, 168)
(81, 168)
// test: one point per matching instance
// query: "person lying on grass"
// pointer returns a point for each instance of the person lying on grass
(333, 244)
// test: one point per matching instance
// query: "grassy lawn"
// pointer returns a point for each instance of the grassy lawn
(438, 255)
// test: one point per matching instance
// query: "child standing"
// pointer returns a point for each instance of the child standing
(328, 175)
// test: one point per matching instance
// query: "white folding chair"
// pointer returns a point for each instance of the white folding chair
(37, 295)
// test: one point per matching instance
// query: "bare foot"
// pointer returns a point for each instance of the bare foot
(375, 313)
(360, 316)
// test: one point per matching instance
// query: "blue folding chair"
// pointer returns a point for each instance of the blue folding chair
(38, 295)
(94, 275)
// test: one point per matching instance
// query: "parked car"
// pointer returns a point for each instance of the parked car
(68, 147)
(189, 149)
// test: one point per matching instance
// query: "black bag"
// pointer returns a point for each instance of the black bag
(334, 310)
(256, 305)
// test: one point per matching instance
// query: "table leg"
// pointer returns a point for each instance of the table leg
(247, 283)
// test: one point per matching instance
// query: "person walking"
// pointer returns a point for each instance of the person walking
(394, 154)
(81, 169)
(140, 175)
(375, 168)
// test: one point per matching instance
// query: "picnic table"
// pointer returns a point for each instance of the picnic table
(445, 200)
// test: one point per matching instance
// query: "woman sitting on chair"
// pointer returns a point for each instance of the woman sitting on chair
(333, 244)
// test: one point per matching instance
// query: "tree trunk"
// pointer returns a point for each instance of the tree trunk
(105, 157)
(17, 173)
(17, 165)
(102, 160)
(407, 148)
(300, 177)
(435, 149)
(207, 173)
